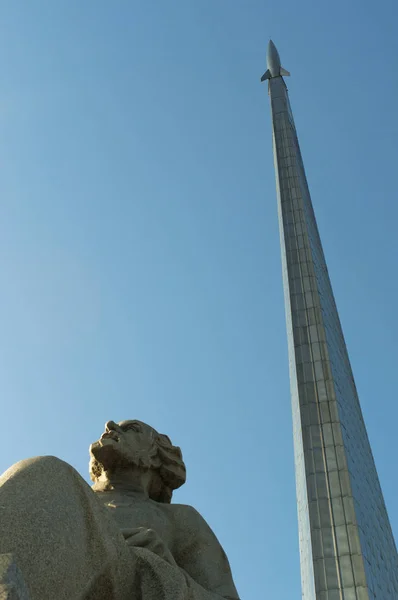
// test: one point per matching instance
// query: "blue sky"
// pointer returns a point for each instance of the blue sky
(139, 248)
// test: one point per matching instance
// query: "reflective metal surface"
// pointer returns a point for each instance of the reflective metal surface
(347, 549)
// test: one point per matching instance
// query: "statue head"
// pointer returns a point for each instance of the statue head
(136, 447)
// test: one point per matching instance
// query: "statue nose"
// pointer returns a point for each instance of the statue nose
(111, 426)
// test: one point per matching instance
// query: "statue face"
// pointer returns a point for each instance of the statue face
(124, 443)
(132, 447)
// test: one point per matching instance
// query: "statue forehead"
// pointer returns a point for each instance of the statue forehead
(133, 421)
(148, 428)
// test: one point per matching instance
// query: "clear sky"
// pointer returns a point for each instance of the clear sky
(139, 248)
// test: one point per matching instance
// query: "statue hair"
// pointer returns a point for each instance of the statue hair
(172, 469)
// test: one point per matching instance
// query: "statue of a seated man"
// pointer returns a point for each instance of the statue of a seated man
(120, 540)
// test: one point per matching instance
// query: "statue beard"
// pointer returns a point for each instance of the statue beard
(107, 458)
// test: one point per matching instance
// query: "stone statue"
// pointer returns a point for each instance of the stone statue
(120, 540)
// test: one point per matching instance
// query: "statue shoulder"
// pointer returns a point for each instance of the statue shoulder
(186, 513)
(190, 524)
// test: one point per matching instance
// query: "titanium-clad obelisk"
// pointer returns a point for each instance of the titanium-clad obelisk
(347, 548)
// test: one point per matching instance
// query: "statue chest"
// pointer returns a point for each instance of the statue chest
(130, 513)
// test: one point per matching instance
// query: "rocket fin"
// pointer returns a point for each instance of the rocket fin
(284, 72)
(267, 75)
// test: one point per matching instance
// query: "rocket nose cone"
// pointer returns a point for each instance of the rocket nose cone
(272, 51)
(273, 60)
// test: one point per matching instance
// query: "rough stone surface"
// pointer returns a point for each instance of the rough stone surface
(120, 540)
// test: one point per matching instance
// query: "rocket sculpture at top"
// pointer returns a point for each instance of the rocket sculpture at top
(347, 549)
(274, 68)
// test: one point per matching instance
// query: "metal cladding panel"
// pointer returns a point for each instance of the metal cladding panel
(347, 549)
(307, 570)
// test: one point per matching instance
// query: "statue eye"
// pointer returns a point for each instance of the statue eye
(132, 426)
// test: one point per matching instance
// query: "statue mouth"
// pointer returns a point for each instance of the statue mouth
(110, 435)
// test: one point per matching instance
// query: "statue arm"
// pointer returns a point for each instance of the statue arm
(200, 555)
